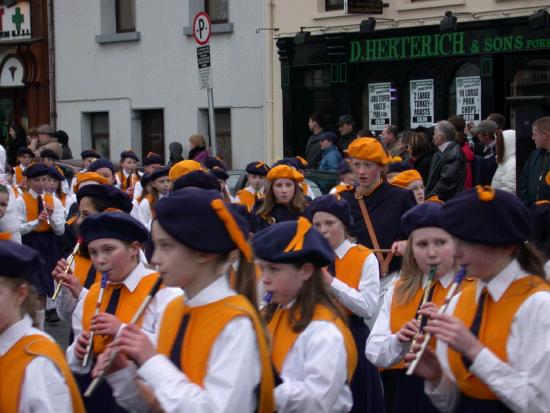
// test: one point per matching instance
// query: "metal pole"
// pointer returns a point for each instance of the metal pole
(212, 122)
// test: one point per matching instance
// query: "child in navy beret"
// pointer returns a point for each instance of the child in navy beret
(197, 179)
(128, 176)
(194, 233)
(159, 188)
(291, 256)
(114, 241)
(104, 168)
(24, 158)
(44, 378)
(498, 330)
(151, 163)
(255, 183)
(353, 279)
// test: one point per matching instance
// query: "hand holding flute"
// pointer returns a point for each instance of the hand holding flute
(46, 207)
(425, 299)
(90, 346)
(70, 260)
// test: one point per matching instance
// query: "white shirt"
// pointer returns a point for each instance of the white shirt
(57, 218)
(144, 213)
(233, 370)
(138, 190)
(2, 159)
(44, 389)
(10, 221)
(151, 316)
(314, 373)
(522, 383)
(135, 209)
(364, 300)
(443, 146)
(383, 348)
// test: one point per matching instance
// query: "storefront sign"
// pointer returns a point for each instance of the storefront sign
(364, 7)
(468, 98)
(379, 105)
(443, 45)
(15, 21)
(422, 103)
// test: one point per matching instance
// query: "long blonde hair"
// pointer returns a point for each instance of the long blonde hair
(297, 203)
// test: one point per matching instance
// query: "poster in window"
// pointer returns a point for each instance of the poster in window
(468, 98)
(379, 105)
(422, 103)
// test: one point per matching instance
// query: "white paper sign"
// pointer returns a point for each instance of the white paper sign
(379, 105)
(468, 98)
(422, 103)
(203, 62)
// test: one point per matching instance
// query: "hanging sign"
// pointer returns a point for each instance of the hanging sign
(468, 98)
(15, 21)
(422, 103)
(203, 61)
(379, 105)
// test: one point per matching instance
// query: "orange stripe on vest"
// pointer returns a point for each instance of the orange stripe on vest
(14, 363)
(31, 205)
(81, 267)
(349, 268)
(205, 325)
(135, 179)
(19, 177)
(247, 199)
(493, 333)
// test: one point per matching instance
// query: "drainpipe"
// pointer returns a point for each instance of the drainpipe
(270, 144)
(51, 64)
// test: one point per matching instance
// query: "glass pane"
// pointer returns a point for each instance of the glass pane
(334, 5)
(99, 126)
(319, 77)
(218, 10)
(467, 69)
(532, 79)
(125, 16)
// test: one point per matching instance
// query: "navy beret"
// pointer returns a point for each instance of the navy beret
(332, 204)
(197, 179)
(19, 261)
(270, 244)
(54, 173)
(158, 173)
(25, 151)
(421, 216)
(128, 154)
(220, 173)
(400, 166)
(109, 194)
(101, 163)
(191, 216)
(113, 224)
(484, 215)
(89, 153)
(331, 136)
(48, 153)
(153, 158)
(257, 168)
(36, 169)
(344, 167)
(212, 162)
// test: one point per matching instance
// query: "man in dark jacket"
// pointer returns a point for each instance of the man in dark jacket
(535, 178)
(313, 148)
(448, 169)
(486, 134)
(346, 126)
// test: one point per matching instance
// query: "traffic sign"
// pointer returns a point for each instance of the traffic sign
(203, 60)
(202, 28)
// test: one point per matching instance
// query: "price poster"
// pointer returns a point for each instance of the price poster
(379, 105)
(422, 103)
(468, 98)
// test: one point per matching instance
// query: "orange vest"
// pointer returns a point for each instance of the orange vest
(204, 326)
(31, 205)
(81, 267)
(14, 363)
(495, 326)
(348, 269)
(128, 305)
(305, 188)
(283, 337)
(401, 314)
(5, 236)
(248, 199)
(134, 179)
(19, 177)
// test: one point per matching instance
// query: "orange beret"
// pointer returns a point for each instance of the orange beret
(369, 149)
(183, 168)
(89, 176)
(405, 178)
(284, 171)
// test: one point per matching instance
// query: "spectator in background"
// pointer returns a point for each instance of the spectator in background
(17, 138)
(535, 178)
(346, 126)
(405, 139)
(176, 151)
(391, 142)
(460, 125)
(197, 148)
(45, 139)
(448, 168)
(330, 155)
(63, 140)
(421, 152)
(505, 175)
(486, 133)
(313, 149)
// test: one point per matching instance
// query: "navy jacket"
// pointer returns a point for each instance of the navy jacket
(533, 185)
(280, 213)
(331, 158)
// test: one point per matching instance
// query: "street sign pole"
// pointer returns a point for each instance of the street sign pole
(201, 32)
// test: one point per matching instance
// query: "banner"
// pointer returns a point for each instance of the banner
(468, 98)
(422, 103)
(379, 105)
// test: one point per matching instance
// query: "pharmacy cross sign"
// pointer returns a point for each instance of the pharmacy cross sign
(18, 18)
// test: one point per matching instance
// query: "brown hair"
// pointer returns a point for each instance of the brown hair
(499, 146)
(30, 303)
(312, 293)
(419, 144)
(245, 279)
(530, 260)
(197, 139)
(297, 203)
(411, 276)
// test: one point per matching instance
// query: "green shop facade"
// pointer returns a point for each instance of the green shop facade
(415, 76)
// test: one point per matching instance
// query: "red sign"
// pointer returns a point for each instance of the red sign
(202, 28)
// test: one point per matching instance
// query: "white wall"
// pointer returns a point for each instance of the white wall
(159, 71)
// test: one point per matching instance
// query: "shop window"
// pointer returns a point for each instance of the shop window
(317, 78)
(217, 10)
(118, 22)
(331, 5)
(125, 16)
(99, 132)
(465, 70)
(532, 79)
(152, 131)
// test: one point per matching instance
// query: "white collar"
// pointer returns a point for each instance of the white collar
(14, 333)
(500, 283)
(445, 280)
(133, 279)
(250, 189)
(33, 193)
(443, 146)
(216, 291)
(343, 249)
